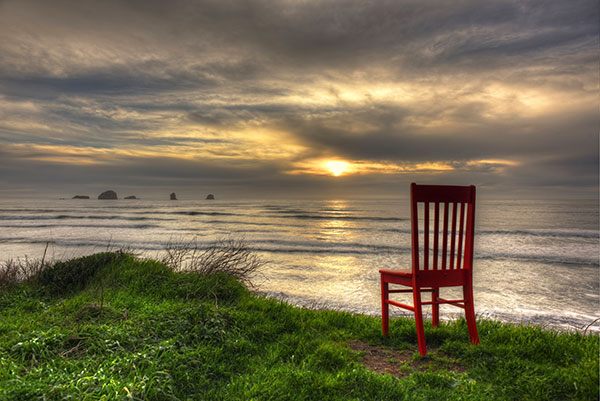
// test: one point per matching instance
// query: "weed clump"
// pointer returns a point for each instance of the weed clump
(231, 257)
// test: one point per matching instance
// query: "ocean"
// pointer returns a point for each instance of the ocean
(536, 262)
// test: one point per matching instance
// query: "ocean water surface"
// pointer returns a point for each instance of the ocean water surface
(536, 262)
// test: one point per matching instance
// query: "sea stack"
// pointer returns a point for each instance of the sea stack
(108, 195)
(80, 197)
(210, 196)
(173, 196)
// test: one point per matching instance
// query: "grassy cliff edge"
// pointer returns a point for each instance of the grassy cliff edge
(111, 326)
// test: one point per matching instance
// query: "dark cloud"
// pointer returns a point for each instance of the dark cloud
(382, 81)
(392, 138)
(242, 39)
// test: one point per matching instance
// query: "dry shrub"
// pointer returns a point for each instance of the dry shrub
(9, 273)
(13, 271)
(229, 256)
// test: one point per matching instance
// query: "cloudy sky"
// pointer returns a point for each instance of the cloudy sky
(326, 98)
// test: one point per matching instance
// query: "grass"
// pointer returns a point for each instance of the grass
(112, 327)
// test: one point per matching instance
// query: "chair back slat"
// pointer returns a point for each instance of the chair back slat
(453, 235)
(445, 237)
(460, 235)
(426, 235)
(454, 253)
(436, 234)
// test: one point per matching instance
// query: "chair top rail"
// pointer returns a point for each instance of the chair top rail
(443, 193)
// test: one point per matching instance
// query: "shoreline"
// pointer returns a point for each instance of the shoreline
(558, 324)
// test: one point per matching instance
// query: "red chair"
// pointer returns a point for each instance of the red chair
(450, 266)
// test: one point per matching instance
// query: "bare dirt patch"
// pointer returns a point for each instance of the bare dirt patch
(401, 363)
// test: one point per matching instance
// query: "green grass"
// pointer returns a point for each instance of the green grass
(111, 327)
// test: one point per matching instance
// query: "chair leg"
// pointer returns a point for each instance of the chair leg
(470, 313)
(385, 307)
(435, 308)
(419, 321)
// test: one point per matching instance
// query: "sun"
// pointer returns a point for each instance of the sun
(336, 167)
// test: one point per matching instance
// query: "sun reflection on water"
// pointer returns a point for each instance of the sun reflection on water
(337, 229)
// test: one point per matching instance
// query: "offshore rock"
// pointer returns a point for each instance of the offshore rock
(173, 196)
(210, 196)
(108, 195)
(130, 197)
(80, 197)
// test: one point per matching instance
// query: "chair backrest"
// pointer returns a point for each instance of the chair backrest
(454, 250)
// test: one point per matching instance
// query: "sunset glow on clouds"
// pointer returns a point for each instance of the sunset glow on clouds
(253, 96)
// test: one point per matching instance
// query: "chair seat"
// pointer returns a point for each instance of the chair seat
(402, 276)
(400, 272)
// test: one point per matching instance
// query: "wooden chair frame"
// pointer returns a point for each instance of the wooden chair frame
(456, 267)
